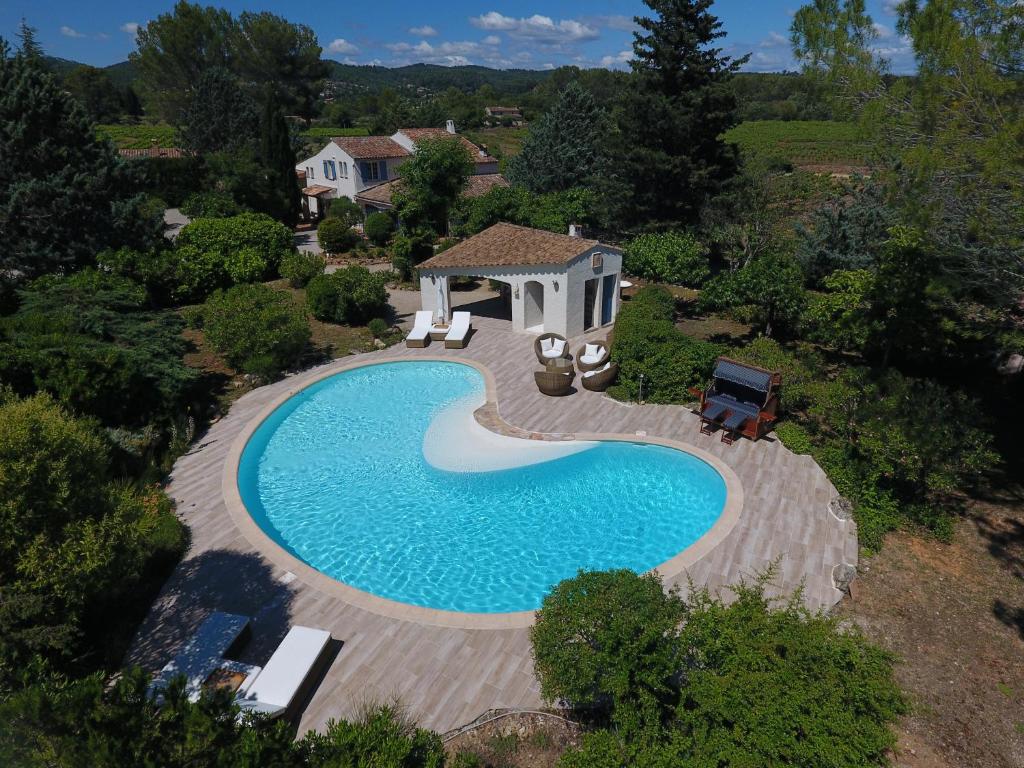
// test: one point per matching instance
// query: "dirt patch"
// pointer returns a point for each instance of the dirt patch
(516, 741)
(954, 615)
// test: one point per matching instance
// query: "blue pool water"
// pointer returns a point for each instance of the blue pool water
(337, 476)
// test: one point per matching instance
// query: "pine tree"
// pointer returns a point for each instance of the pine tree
(64, 194)
(30, 47)
(278, 157)
(679, 102)
(566, 148)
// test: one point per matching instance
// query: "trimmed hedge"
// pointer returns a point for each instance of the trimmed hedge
(352, 295)
(299, 268)
(647, 343)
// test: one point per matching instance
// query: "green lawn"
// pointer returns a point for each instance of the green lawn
(801, 142)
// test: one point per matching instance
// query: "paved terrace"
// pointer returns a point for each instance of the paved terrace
(448, 676)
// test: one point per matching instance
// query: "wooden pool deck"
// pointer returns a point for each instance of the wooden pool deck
(448, 676)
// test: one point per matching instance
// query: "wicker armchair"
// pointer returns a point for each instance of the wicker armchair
(537, 350)
(584, 367)
(554, 383)
(600, 381)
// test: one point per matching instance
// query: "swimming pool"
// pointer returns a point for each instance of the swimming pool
(355, 476)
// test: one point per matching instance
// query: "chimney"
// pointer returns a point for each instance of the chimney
(449, 126)
(575, 230)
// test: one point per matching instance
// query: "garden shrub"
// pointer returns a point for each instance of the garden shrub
(214, 253)
(670, 257)
(631, 656)
(300, 267)
(794, 437)
(322, 298)
(257, 329)
(646, 342)
(211, 204)
(763, 683)
(155, 269)
(378, 327)
(361, 295)
(378, 227)
(768, 292)
(802, 369)
(91, 341)
(336, 236)
(345, 210)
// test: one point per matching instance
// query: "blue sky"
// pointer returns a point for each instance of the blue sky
(523, 33)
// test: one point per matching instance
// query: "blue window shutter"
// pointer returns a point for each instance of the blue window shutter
(364, 171)
(383, 169)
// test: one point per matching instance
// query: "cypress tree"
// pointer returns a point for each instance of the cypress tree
(678, 104)
(278, 158)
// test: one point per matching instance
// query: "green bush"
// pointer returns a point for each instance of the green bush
(671, 257)
(763, 684)
(257, 329)
(210, 204)
(322, 298)
(631, 655)
(378, 327)
(215, 253)
(646, 342)
(352, 295)
(300, 267)
(794, 437)
(156, 270)
(336, 236)
(769, 291)
(378, 228)
(91, 341)
(345, 210)
(361, 295)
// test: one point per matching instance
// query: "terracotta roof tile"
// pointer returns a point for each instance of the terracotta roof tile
(135, 154)
(419, 134)
(476, 186)
(509, 245)
(370, 147)
(316, 189)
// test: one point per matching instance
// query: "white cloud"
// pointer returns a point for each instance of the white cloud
(891, 7)
(69, 32)
(773, 39)
(130, 27)
(541, 29)
(618, 60)
(341, 45)
(883, 32)
(102, 36)
(425, 31)
(491, 40)
(452, 54)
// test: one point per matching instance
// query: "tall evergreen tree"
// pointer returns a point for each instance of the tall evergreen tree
(29, 47)
(566, 148)
(220, 116)
(278, 157)
(672, 157)
(64, 194)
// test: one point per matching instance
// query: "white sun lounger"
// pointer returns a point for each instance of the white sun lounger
(419, 336)
(459, 332)
(278, 685)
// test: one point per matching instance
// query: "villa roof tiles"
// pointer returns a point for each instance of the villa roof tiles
(509, 245)
(370, 147)
(416, 135)
(475, 187)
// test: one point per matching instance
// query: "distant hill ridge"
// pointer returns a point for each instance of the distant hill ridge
(432, 77)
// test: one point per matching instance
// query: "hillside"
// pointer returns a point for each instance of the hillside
(433, 77)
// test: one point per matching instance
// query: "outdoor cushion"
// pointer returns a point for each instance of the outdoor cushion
(602, 369)
(547, 345)
(590, 350)
(459, 328)
(591, 357)
(735, 420)
(712, 410)
(558, 346)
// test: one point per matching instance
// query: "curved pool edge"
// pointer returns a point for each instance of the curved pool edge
(275, 553)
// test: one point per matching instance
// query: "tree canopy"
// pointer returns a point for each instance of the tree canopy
(671, 156)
